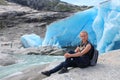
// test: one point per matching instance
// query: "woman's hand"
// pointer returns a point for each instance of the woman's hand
(67, 55)
(77, 49)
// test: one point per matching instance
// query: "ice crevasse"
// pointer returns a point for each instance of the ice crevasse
(102, 23)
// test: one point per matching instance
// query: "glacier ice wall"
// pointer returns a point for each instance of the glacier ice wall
(107, 26)
(102, 22)
(66, 32)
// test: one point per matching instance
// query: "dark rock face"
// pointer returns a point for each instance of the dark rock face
(37, 4)
(9, 19)
(48, 5)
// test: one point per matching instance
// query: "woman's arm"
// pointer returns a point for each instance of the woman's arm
(77, 54)
(77, 49)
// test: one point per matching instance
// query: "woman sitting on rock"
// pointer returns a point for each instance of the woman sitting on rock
(78, 58)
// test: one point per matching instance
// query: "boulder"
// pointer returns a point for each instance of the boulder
(7, 59)
(46, 50)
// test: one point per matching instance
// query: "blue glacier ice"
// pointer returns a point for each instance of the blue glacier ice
(102, 22)
(31, 40)
(66, 32)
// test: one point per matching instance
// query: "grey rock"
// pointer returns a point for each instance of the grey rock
(7, 59)
(43, 50)
(57, 52)
(46, 50)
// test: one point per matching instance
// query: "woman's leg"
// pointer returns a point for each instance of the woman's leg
(57, 68)
(81, 62)
(67, 63)
(62, 66)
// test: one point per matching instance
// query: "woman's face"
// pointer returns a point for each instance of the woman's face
(84, 36)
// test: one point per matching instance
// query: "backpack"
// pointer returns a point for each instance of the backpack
(94, 57)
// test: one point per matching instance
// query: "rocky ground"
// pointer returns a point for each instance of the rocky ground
(108, 68)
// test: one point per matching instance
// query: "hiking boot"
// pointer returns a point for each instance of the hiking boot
(63, 70)
(47, 73)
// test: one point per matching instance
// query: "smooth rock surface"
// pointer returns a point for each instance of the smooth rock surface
(7, 59)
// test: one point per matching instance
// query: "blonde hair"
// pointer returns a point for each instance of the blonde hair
(84, 32)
